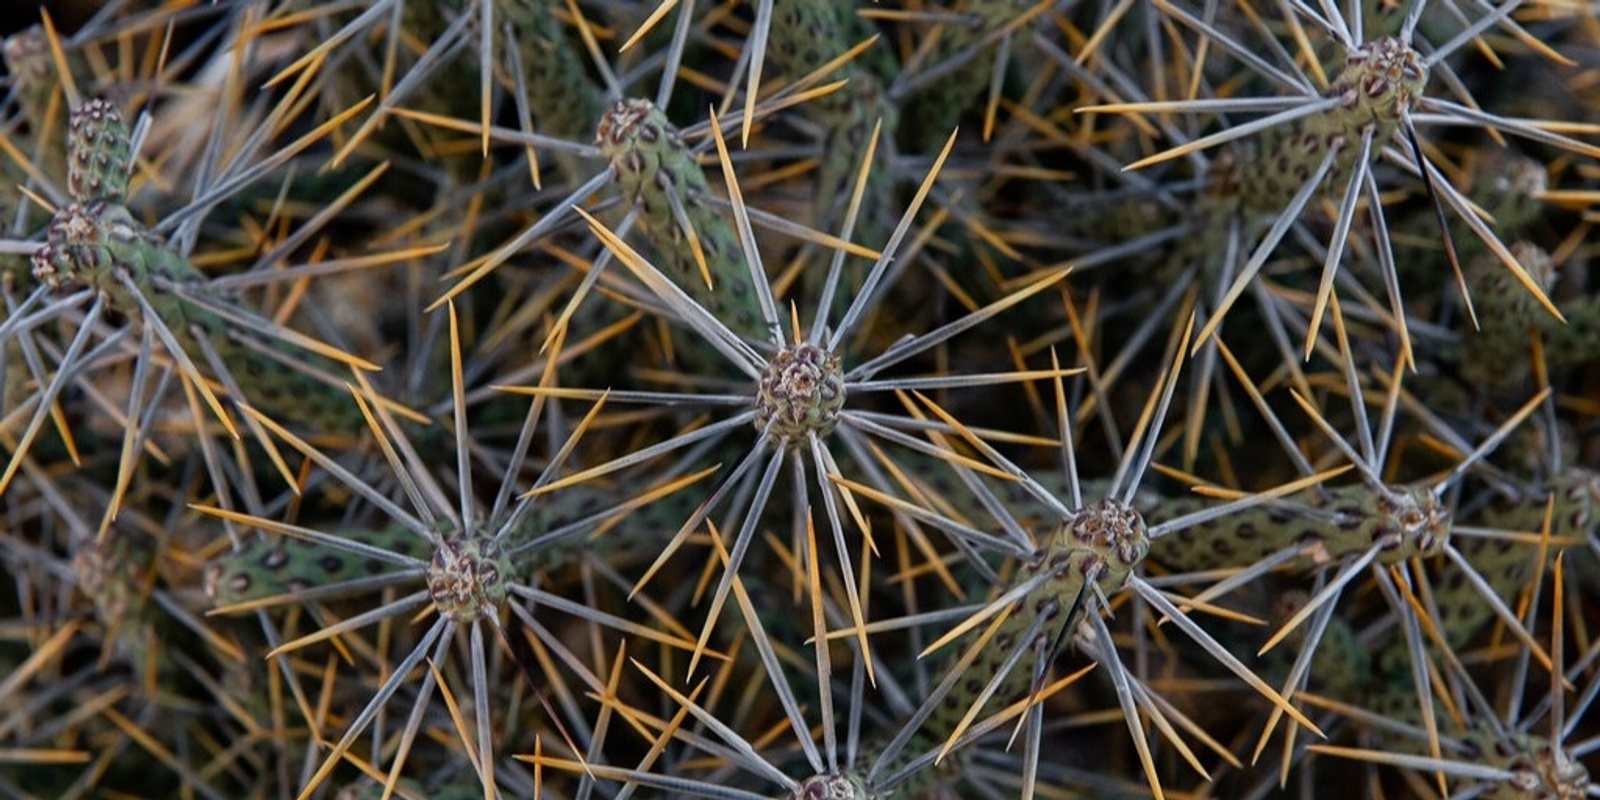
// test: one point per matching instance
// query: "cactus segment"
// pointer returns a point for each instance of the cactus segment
(661, 178)
(100, 155)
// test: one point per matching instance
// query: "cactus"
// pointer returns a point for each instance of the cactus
(858, 456)
(95, 243)
(659, 175)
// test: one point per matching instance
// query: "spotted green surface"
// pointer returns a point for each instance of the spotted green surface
(932, 113)
(100, 156)
(656, 170)
(559, 87)
(99, 245)
(273, 566)
(270, 568)
(1096, 548)
(805, 36)
(1380, 80)
(95, 242)
(1329, 524)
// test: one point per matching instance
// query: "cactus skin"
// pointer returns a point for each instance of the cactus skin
(1380, 80)
(56, 576)
(95, 242)
(268, 567)
(566, 100)
(37, 89)
(263, 568)
(1337, 522)
(1542, 771)
(1342, 666)
(28, 61)
(652, 161)
(1573, 497)
(1497, 355)
(98, 245)
(933, 112)
(1538, 770)
(100, 160)
(1577, 342)
(805, 36)
(1418, 525)
(113, 572)
(1095, 549)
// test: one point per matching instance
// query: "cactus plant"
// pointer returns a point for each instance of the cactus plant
(799, 400)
